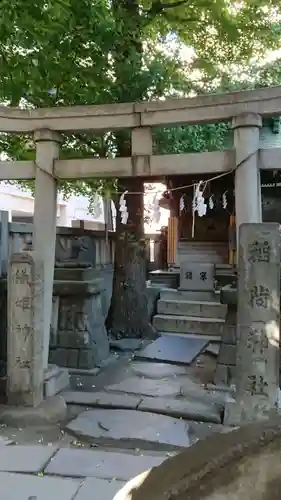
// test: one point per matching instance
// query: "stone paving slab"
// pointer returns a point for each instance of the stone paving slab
(201, 430)
(182, 350)
(101, 464)
(24, 486)
(128, 344)
(176, 387)
(213, 348)
(131, 429)
(182, 408)
(5, 441)
(156, 370)
(147, 387)
(102, 399)
(25, 458)
(159, 388)
(99, 489)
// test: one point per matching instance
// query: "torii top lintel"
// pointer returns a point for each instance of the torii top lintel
(203, 109)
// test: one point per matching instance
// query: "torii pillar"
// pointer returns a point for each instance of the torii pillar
(248, 205)
(45, 218)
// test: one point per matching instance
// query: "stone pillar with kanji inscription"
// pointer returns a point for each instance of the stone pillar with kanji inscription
(258, 324)
(25, 330)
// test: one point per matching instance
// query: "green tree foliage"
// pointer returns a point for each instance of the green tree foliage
(64, 52)
(69, 52)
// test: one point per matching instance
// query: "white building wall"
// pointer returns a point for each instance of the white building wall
(20, 204)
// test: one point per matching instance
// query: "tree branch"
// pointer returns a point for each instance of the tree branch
(177, 19)
(165, 6)
(158, 7)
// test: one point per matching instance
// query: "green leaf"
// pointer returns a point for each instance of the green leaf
(98, 52)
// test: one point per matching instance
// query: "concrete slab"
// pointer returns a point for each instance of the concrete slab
(23, 487)
(102, 489)
(25, 458)
(182, 408)
(156, 370)
(101, 464)
(181, 350)
(102, 399)
(127, 344)
(147, 387)
(131, 429)
(182, 386)
(209, 338)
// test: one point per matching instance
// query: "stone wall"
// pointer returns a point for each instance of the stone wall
(84, 266)
(81, 296)
(78, 335)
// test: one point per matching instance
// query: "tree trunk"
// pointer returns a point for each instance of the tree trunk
(128, 314)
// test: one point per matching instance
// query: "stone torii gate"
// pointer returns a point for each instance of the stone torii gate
(245, 109)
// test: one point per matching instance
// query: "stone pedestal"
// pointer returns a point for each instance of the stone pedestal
(197, 276)
(258, 324)
(25, 330)
(78, 337)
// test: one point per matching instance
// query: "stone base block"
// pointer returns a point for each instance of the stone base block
(220, 388)
(197, 276)
(236, 414)
(164, 278)
(229, 334)
(153, 294)
(188, 324)
(192, 308)
(3, 390)
(85, 359)
(170, 294)
(55, 380)
(225, 375)
(226, 365)
(227, 355)
(51, 410)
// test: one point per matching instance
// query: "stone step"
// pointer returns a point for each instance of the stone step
(192, 308)
(188, 324)
(196, 296)
(165, 278)
(200, 257)
(202, 246)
